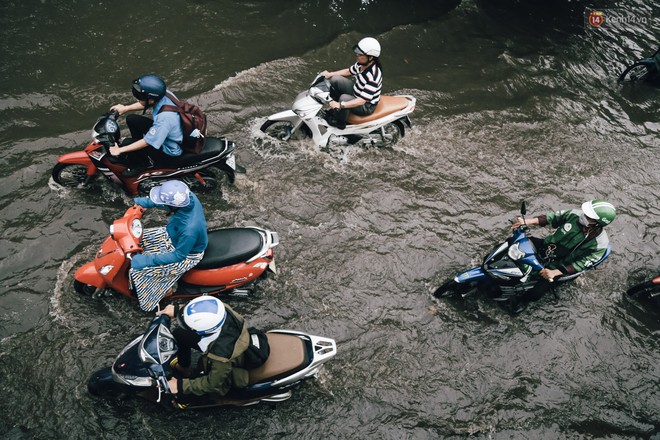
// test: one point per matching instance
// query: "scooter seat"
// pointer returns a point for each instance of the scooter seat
(287, 354)
(212, 147)
(230, 246)
(385, 106)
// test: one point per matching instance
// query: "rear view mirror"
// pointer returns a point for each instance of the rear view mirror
(523, 208)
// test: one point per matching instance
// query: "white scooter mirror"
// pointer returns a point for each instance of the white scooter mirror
(319, 79)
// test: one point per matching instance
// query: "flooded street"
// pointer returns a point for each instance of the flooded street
(515, 101)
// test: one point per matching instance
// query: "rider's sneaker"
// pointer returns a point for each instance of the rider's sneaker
(331, 119)
(518, 307)
(179, 405)
(339, 124)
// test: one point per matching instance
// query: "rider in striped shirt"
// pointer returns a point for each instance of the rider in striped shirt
(359, 96)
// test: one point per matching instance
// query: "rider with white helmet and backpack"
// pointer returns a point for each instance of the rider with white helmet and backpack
(361, 95)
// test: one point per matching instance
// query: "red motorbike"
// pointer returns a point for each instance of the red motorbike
(196, 170)
(233, 260)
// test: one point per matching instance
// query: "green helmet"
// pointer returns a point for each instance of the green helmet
(600, 210)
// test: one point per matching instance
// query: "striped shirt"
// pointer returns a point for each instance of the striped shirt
(368, 83)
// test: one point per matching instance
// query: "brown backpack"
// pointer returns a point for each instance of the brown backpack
(193, 123)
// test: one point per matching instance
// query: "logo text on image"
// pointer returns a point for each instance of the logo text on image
(619, 17)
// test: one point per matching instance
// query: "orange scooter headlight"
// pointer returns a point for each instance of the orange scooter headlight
(136, 228)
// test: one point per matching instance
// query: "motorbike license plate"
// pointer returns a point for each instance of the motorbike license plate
(231, 161)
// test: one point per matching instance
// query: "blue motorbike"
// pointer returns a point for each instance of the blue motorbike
(508, 271)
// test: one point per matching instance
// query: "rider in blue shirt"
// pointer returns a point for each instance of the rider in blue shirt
(163, 135)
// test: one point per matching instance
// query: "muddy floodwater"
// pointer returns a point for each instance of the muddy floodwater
(516, 100)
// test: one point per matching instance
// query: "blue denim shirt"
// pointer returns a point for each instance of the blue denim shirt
(186, 228)
(166, 132)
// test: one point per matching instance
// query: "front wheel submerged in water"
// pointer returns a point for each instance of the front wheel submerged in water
(69, 174)
(102, 384)
(283, 130)
(451, 288)
(84, 289)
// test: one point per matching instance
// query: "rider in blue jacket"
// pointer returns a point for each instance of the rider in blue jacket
(171, 251)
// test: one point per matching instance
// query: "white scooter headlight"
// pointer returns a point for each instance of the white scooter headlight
(515, 253)
(136, 228)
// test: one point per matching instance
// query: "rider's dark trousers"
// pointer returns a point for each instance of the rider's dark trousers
(139, 125)
(342, 90)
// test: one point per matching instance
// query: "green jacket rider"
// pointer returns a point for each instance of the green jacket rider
(579, 240)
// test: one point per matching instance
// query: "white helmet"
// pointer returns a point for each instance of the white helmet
(368, 46)
(204, 315)
(603, 212)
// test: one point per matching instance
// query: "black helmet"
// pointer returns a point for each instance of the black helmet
(149, 87)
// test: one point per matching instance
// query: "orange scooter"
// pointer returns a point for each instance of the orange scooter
(233, 260)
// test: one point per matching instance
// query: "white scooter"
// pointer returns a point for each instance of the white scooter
(307, 119)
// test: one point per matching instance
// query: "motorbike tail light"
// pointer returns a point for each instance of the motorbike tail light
(274, 239)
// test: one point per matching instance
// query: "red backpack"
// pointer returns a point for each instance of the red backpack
(193, 123)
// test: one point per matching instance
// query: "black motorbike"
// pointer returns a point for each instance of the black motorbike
(144, 366)
(644, 69)
(646, 290)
